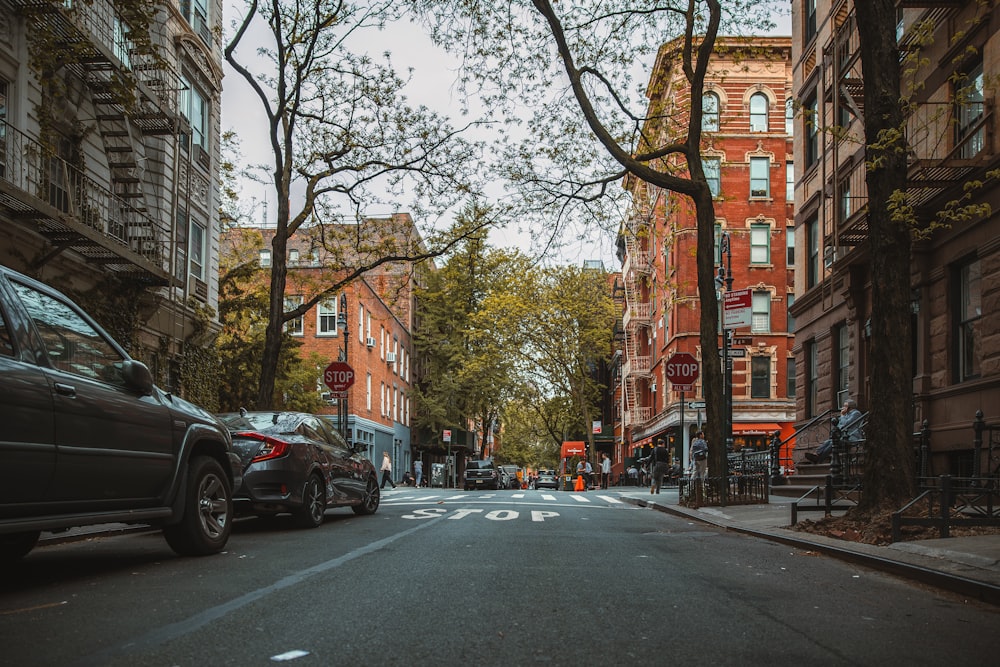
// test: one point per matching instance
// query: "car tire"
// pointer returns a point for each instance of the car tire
(208, 511)
(16, 546)
(370, 501)
(310, 514)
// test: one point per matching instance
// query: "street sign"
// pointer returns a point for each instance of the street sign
(737, 308)
(696, 405)
(446, 435)
(338, 376)
(682, 370)
(735, 354)
(742, 341)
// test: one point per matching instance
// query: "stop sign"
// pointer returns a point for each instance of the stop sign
(682, 368)
(338, 376)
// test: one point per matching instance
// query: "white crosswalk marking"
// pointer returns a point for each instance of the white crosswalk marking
(610, 499)
(580, 499)
(546, 496)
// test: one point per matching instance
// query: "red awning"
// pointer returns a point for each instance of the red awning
(573, 448)
(755, 429)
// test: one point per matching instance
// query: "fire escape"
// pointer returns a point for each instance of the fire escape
(948, 143)
(637, 368)
(109, 220)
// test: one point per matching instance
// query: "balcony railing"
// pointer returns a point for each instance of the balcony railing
(73, 210)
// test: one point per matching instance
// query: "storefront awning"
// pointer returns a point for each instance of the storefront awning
(756, 429)
(572, 448)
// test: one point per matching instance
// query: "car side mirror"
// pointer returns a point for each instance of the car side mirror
(137, 377)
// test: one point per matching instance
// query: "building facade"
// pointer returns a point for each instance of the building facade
(747, 155)
(950, 58)
(109, 153)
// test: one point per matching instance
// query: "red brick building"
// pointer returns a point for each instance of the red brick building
(748, 160)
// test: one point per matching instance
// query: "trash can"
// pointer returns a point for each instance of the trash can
(437, 474)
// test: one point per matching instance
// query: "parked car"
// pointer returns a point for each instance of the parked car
(482, 474)
(297, 463)
(508, 477)
(89, 439)
(547, 479)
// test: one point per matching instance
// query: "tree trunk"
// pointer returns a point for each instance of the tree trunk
(889, 462)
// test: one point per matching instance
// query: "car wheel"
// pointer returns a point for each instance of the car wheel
(16, 546)
(208, 510)
(310, 514)
(370, 501)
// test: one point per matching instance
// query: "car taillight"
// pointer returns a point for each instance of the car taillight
(269, 449)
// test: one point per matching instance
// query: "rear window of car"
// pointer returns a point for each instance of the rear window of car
(480, 464)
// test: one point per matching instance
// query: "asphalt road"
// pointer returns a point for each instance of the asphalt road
(477, 578)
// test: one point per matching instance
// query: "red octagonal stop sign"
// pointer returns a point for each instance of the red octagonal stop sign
(682, 368)
(338, 376)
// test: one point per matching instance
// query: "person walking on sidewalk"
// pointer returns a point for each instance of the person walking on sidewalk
(418, 470)
(606, 471)
(660, 461)
(699, 454)
(386, 470)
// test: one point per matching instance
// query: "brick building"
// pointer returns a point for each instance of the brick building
(747, 155)
(955, 275)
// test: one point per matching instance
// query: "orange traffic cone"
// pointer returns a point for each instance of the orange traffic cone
(579, 486)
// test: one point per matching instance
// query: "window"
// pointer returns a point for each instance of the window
(361, 323)
(71, 343)
(197, 250)
(760, 321)
(194, 108)
(293, 257)
(790, 376)
(842, 340)
(844, 203)
(265, 258)
(789, 181)
(760, 183)
(196, 13)
(713, 174)
(791, 318)
(760, 244)
(758, 112)
(810, 20)
(294, 325)
(326, 317)
(790, 117)
(812, 247)
(710, 112)
(811, 118)
(969, 312)
(789, 248)
(760, 377)
(718, 244)
(969, 112)
(812, 378)
(368, 391)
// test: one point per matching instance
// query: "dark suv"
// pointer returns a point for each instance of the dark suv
(88, 439)
(481, 475)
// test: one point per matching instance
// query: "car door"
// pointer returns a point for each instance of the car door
(346, 475)
(112, 443)
(27, 440)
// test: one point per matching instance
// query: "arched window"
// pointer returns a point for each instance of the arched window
(710, 112)
(790, 116)
(758, 112)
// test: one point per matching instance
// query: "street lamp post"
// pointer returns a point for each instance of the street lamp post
(342, 402)
(725, 279)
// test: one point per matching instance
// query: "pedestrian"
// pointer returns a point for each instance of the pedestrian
(589, 475)
(606, 471)
(699, 455)
(418, 471)
(660, 461)
(849, 424)
(386, 471)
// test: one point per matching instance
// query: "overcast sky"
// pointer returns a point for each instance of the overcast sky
(433, 84)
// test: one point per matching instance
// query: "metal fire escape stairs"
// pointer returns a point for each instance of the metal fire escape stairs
(637, 369)
(134, 93)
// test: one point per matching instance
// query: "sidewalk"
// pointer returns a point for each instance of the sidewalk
(968, 566)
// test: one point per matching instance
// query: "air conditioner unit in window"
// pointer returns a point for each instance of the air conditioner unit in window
(758, 193)
(390, 357)
(370, 342)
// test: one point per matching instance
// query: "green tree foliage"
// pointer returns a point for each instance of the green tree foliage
(343, 139)
(467, 374)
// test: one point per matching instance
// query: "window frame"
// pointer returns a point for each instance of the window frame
(710, 113)
(968, 315)
(327, 315)
(716, 174)
(296, 325)
(759, 118)
(760, 383)
(756, 230)
(758, 179)
(760, 317)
